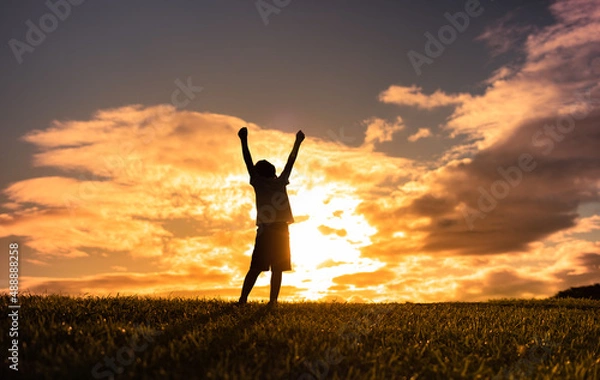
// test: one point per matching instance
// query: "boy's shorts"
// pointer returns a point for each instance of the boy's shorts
(272, 248)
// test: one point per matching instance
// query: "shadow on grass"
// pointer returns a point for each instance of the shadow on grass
(225, 339)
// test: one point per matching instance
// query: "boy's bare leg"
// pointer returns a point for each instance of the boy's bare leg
(275, 285)
(249, 282)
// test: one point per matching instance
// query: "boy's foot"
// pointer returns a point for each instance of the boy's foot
(272, 304)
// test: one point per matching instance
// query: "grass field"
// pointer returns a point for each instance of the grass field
(131, 337)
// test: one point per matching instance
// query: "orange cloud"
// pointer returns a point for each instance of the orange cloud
(168, 185)
(420, 134)
(379, 130)
(414, 97)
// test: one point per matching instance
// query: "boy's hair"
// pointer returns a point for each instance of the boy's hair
(265, 169)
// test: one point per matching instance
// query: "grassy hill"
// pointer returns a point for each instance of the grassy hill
(589, 292)
(131, 337)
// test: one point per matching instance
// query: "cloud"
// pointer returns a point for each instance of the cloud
(505, 283)
(37, 262)
(489, 201)
(414, 97)
(545, 110)
(420, 134)
(169, 186)
(379, 130)
(556, 67)
(128, 283)
(325, 230)
(365, 279)
(506, 34)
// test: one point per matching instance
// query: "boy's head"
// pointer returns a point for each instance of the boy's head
(265, 169)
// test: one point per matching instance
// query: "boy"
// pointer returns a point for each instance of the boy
(273, 214)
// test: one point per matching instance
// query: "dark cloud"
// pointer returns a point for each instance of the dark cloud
(508, 206)
(431, 205)
(506, 34)
(591, 261)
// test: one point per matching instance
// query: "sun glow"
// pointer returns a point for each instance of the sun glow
(327, 237)
(399, 234)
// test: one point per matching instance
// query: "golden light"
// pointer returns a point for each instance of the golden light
(326, 241)
(399, 234)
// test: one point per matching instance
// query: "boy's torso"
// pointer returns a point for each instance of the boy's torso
(272, 203)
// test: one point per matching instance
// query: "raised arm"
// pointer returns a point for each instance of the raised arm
(292, 158)
(243, 134)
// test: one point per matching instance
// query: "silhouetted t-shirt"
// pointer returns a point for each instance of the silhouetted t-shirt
(272, 203)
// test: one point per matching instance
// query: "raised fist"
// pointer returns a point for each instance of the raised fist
(243, 133)
(300, 136)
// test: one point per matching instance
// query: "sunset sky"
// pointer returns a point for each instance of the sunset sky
(461, 170)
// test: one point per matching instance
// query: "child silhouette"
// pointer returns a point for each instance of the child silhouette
(273, 214)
